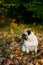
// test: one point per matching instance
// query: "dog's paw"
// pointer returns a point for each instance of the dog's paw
(27, 50)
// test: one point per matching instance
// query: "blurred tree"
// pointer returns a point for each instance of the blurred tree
(23, 10)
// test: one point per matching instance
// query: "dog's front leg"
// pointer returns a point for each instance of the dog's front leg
(35, 50)
(23, 48)
(27, 50)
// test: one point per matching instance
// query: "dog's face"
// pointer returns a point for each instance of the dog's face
(25, 34)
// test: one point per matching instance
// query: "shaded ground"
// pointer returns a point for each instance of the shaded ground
(10, 47)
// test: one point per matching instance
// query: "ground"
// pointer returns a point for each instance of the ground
(10, 46)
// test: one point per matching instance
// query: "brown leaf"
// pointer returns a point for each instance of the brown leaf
(29, 64)
(10, 62)
(41, 60)
(17, 51)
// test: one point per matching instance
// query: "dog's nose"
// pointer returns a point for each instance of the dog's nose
(24, 36)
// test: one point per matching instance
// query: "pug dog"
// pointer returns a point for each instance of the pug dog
(30, 41)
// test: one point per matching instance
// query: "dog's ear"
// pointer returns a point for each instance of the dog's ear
(29, 32)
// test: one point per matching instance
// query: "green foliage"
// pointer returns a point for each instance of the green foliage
(22, 9)
(5, 22)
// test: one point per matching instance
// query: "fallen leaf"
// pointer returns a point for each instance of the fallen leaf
(41, 60)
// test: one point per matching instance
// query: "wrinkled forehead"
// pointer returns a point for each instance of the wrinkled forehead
(27, 32)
